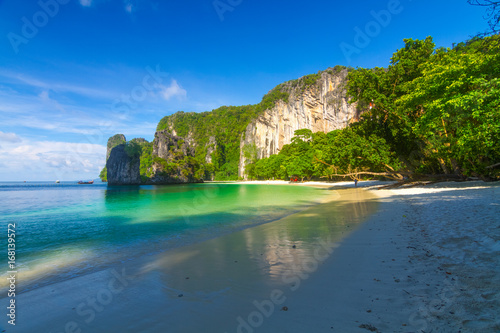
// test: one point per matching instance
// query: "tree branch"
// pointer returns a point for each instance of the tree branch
(354, 175)
(493, 166)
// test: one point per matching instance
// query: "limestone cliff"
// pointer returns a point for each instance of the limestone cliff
(114, 141)
(123, 169)
(167, 160)
(319, 106)
(173, 161)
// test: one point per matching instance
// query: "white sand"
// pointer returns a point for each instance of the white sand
(453, 235)
(426, 261)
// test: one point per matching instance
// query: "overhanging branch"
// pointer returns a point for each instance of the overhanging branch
(493, 166)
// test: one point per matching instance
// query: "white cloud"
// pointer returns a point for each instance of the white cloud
(174, 90)
(22, 113)
(45, 160)
(59, 87)
(45, 98)
(129, 7)
(9, 137)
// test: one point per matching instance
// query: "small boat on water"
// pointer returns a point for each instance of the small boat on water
(89, 182)
(57, 181)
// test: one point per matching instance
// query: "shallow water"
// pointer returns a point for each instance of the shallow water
(64, 229)
(230, 283)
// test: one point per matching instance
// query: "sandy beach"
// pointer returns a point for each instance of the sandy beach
(422, 259)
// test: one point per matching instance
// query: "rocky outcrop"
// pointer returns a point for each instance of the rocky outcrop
(169, 159)
(114, 141)
(123, 169)
(172, 160)
(322, 106)
(168, 146)
(211, 147)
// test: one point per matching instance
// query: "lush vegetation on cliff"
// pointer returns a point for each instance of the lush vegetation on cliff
(219, 131)
(433, 112)
(216, 133)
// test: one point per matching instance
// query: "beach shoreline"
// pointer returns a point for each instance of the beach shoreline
(426, 259)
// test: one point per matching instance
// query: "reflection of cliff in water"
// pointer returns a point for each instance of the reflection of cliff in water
(271, 254)
(296, 246)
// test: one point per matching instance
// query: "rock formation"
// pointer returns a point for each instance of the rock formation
(123, 169)
(114, 141)
(322, 106)
(172, 160)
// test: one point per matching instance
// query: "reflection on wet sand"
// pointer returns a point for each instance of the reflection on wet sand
(249, 264)
(299, 241)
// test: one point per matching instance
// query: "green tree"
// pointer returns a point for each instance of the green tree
(457, 101)
(349, 152)
(379, 89)
(298, 155)
(104, 174)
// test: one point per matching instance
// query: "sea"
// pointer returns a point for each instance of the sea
(66, 229)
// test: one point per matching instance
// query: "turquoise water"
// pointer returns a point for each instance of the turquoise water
(64, 229)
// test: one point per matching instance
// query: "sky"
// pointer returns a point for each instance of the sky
(75, 72)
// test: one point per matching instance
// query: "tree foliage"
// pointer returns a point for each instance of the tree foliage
(104, 174)
(320, 155)
(436, 107)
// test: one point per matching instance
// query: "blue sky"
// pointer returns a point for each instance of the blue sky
(74, 72)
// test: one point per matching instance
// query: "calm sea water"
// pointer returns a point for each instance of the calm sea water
(64, 229)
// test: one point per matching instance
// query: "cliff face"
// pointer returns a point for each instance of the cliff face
(322, 106)
(113, 142)
(122, 168)
(172, 160)
(169, 146)
(167, 160)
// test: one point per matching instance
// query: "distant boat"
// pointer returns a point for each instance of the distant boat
(89, 182)
(57, 181)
